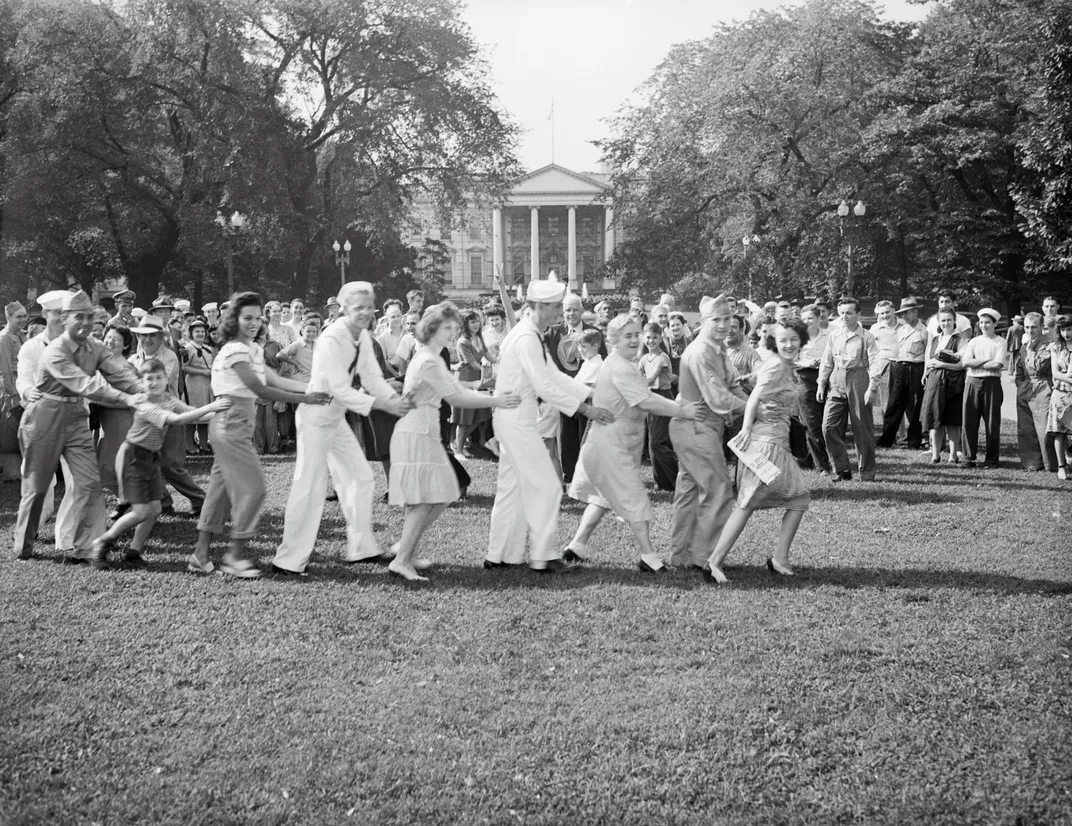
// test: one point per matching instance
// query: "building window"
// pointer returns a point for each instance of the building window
(587, 264)
(476, 228)
(552, 226)
(519, 227)
(586, 224)
(476, 270)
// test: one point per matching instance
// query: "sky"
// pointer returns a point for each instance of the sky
(589, 56)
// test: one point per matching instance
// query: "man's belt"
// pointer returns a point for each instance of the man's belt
(63, 399)
(906, 361)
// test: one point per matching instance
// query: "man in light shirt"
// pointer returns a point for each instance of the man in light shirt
(947, 302)
(906, 378)
(984, 357)
(326, 444)
(848, 376)
(811, 409)
(885, 332)
(564, 346)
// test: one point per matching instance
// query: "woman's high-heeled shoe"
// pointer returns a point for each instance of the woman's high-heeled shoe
(775, 567)
(712, 573)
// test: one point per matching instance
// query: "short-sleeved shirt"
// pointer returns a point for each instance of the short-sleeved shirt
(150, 421)
(589, 371)
(225, 381)
(620, 388)
(302, 354)
(992, 349)
(654, 365)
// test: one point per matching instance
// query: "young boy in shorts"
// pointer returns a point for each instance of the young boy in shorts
(137, 465)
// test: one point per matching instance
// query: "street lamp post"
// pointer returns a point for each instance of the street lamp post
(342, 258)
(855, 225)
(231, 227)
(749, 241)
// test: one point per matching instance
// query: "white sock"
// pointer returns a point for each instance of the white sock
(578, 547)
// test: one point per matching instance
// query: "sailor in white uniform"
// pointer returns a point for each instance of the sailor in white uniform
(529, 492)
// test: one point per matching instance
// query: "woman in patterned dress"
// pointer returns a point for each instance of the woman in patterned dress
(766, 430)
(472, 356)
(422, 478)
(608, 475)
(1059, 422)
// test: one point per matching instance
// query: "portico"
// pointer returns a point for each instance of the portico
(553, 220)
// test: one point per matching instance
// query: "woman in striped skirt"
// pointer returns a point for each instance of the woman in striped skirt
(766, 430)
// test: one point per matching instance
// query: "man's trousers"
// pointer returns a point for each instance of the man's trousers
(906, 401)
(982, 403)
(528, 491)
(843, 407)
(324, 449)
(1035, 445)
(51, 430)
(703, 497)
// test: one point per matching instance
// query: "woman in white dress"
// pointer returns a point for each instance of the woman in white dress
(608, 474)
(422, 478)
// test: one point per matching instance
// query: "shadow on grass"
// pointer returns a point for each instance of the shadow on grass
(883, 496)
(742, 577)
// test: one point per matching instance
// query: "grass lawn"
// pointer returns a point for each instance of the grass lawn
(918, 671)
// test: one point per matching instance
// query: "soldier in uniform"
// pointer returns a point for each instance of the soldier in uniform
(124, 303)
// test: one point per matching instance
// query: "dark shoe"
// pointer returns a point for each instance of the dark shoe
(970, 463)
(990, 465)
(332, 497)
(24, 555)
(843, 476)
(133, 559)
(275, 569)
(168, 511)
(120, 510)
(74, 559)
(645, 568)
(571, 556)
(195, 510)
(489, 565)
(557, 566)
(777, 569)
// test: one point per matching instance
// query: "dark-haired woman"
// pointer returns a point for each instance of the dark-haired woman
(197, 365)
(472, 356)
(766, 431)
(237, 481)
(943, 388)
(422, 478)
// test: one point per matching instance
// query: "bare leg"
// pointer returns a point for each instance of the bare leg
(131, 519)
(463, 435)
(937, 435)
(592, 516)
(141, 533)
(647, 553)
(386, 471)
(418, 519)
(953, 433)
(790, 524)
(204, 539)
(726, 540)
(1060, 447)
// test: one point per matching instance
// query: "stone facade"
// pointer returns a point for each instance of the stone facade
(554, 219)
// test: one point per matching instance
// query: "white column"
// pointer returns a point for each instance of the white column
(496, 241)
(534, 243)
(571, 254)
(608, 233)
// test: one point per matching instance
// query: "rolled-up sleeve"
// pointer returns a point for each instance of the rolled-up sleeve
(57, 363)
(716, 391)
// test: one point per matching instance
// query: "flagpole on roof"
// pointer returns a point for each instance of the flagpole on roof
(551, 118)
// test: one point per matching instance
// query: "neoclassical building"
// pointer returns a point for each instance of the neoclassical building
(553, 219)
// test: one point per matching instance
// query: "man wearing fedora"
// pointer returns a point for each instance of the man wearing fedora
(906, 378)
(55, 424)
(153, 340)
(529, 491)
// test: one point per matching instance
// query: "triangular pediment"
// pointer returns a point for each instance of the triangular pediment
(554, 178)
